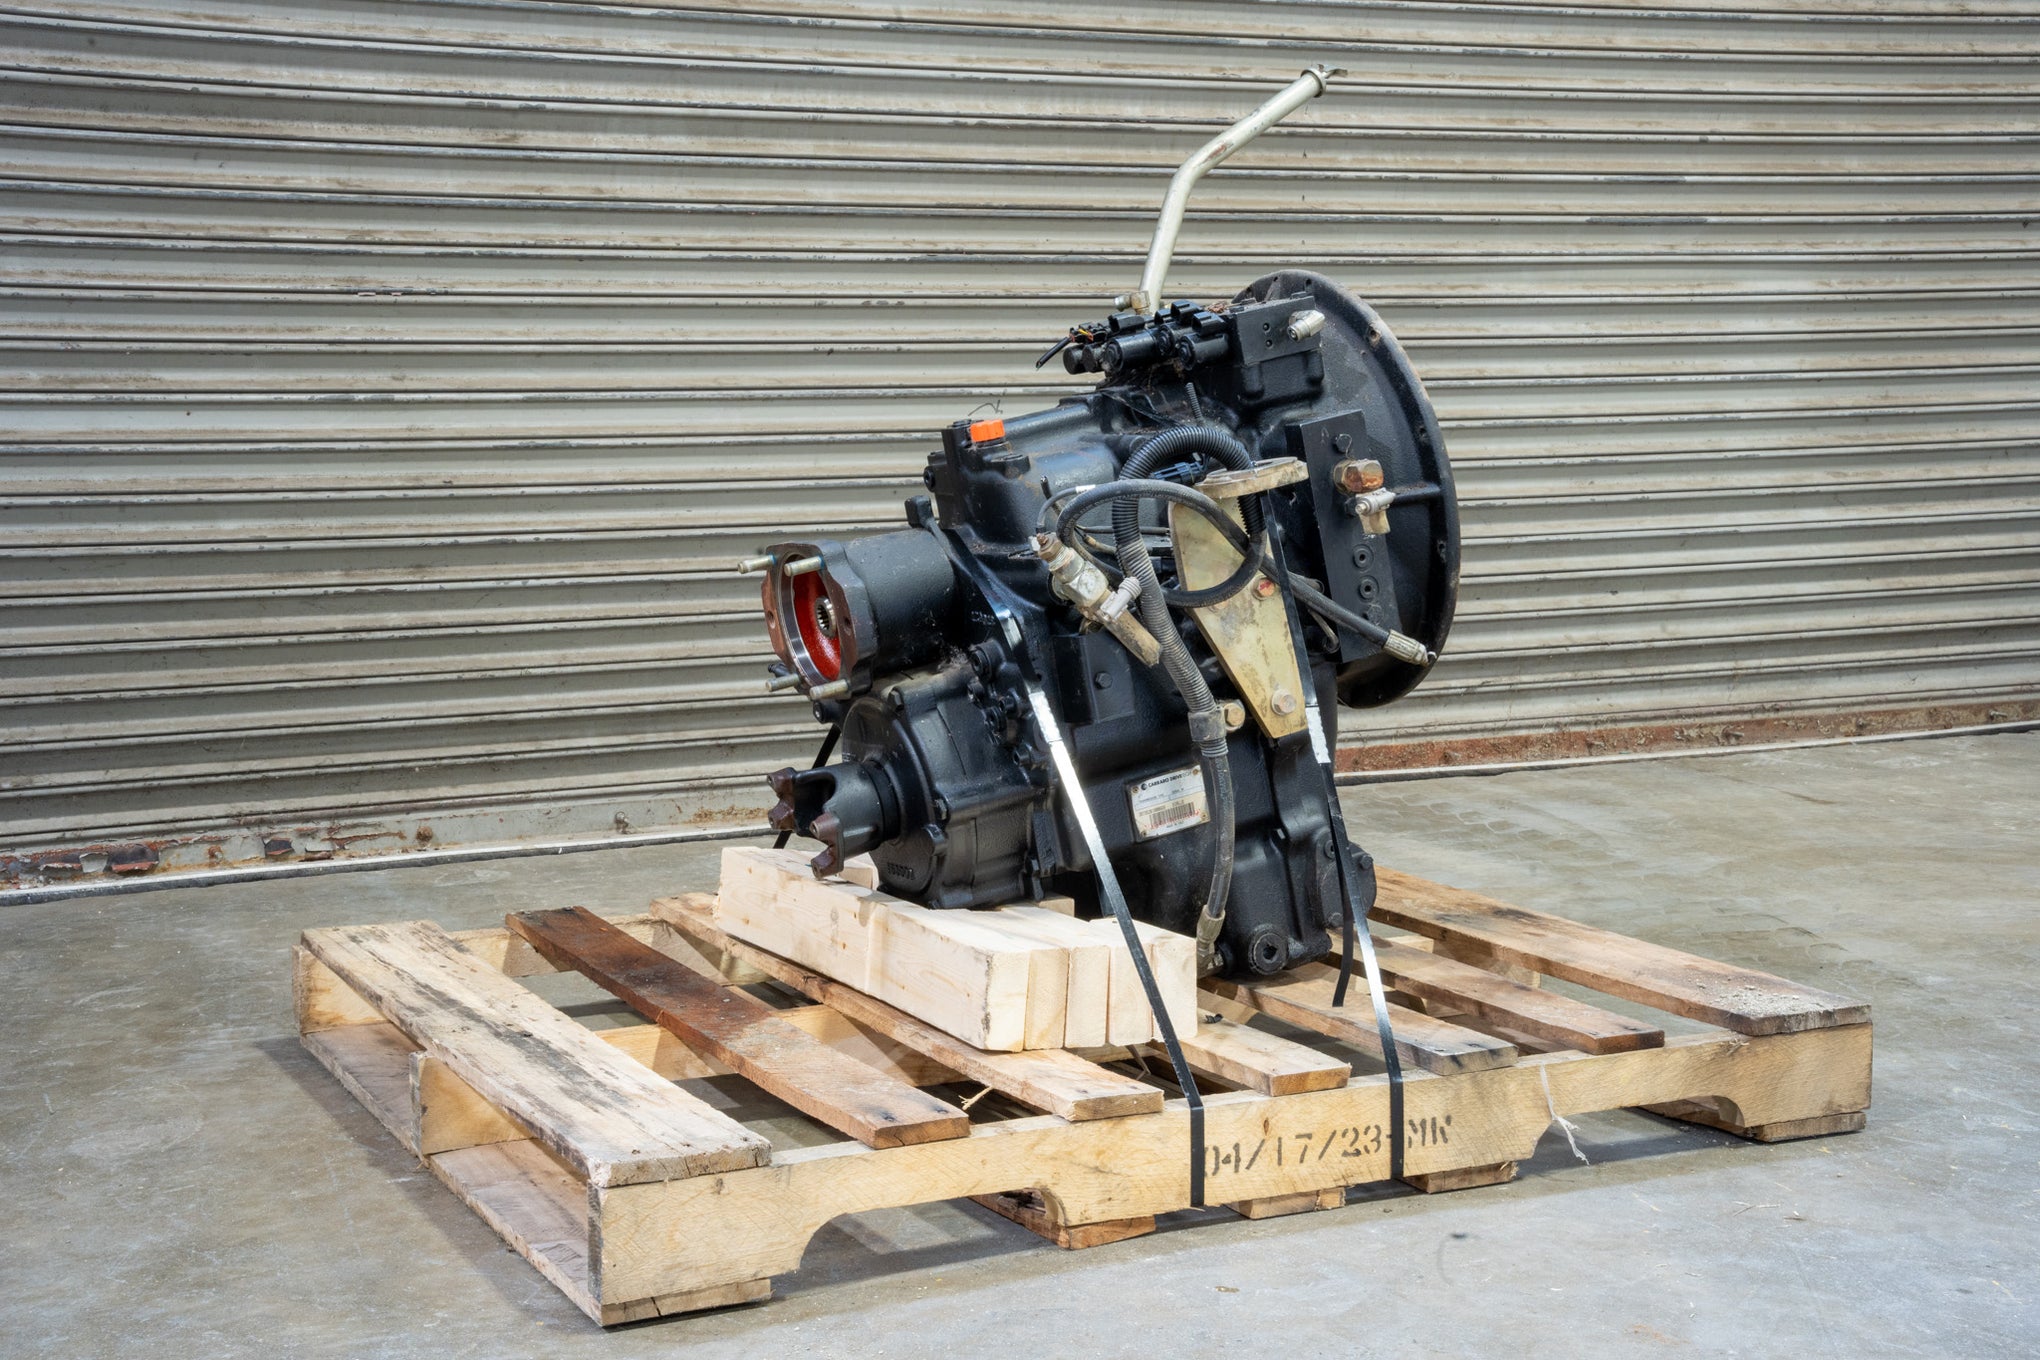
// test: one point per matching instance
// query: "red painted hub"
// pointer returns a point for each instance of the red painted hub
(810, 601)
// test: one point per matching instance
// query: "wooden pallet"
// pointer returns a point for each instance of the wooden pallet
(588, 1153)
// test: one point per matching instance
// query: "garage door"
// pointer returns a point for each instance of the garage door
(392, 386)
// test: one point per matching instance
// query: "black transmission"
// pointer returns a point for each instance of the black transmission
(1179, 575)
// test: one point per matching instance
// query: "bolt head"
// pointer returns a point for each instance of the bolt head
(1283, 702)
(1358, 475)
(1264, 587)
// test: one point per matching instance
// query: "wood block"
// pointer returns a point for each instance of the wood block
(1053, 1080)
(1281, 1206)
(1085, 1002)
(1303, 997)
(743, 1033)
(1038, 1216)
(606, 1116)
(1710, 1113)
(446, 1113)
(1174, 960)
(1172, 957)
(991, 989)
(322, 1000)
(1461, 1178)
(1128, 1019)
(1547, 1015)
(1740, 999)
(1047, 999)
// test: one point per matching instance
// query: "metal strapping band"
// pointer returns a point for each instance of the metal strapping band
(1356, 911)
(1108, 888)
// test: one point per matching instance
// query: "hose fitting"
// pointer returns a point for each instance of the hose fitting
(1084, 587)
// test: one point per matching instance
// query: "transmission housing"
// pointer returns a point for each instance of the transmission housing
(1296, 409)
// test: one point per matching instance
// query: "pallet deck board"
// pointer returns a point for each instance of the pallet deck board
(742, 1032)
(1254, 1061)
(609, 1116)
(1740, 999)
(1532, 1010)
(1110, 1152)
(1303, 997)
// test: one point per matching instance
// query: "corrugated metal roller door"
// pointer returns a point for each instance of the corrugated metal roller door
(392, 386)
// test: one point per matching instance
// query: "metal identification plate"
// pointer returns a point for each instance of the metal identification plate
(1168, 802)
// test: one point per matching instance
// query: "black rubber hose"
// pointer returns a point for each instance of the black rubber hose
(1321, 604)
(1173, 446)
(1306, 593)
(1084, 501)
(1207, 724)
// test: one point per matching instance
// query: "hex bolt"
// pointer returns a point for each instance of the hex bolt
(1235, 714)
(1356, 475)
(801, 566)
(1283, 702)
(1264, 587)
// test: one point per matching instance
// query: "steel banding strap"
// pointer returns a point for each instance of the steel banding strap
(1108, 888)
(1356, 911)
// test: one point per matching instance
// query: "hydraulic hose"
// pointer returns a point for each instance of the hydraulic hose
(1306, 592)
(1207, 723)
(1080, 502)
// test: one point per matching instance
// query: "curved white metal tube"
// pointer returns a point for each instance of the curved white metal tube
(1292, 96)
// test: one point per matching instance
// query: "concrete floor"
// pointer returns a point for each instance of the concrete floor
(182, 1179)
